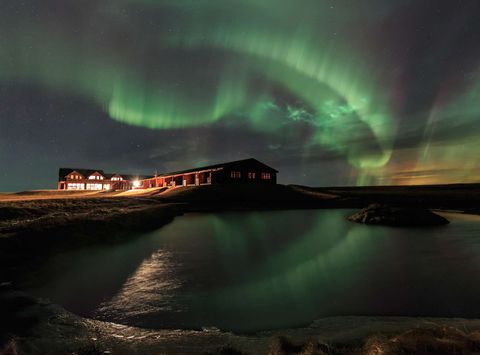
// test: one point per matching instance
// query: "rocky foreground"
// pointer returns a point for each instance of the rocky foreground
(32, 327)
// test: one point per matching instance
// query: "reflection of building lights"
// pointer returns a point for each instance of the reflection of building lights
(136, 183)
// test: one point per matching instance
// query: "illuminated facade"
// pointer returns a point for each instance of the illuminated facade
(93, 180)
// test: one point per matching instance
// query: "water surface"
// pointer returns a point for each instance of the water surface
(251, 271)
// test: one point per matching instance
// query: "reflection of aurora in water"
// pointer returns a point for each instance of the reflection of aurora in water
(317, 73)
(261, 270)
(290, 283)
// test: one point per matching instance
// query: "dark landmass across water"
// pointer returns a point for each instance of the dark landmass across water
(378, 214)
(460, 197)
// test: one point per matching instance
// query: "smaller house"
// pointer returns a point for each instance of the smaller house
(94, 180)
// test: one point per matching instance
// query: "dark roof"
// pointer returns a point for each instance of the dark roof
(223, 165)
(63, 172)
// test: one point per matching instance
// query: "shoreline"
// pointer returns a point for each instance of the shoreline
(32, 230)
(40, 327)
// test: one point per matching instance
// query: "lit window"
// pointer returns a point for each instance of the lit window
(251, 175)
(75, 186)
(266, 176)
(94, 187)
(235, 174)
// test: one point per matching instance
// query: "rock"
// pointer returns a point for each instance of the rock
(397, 216)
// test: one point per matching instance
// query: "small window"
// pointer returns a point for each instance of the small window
(266, 176)
(235, 174)
(251, 175)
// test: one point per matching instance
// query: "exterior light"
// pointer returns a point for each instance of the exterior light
(136, 183)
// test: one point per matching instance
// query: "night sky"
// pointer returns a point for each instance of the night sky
(342, 92)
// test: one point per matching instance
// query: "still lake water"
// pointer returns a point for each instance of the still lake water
(251, 271)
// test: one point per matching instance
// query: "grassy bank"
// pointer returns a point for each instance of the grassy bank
(31, 231)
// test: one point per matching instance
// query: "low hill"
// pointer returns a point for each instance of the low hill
(249, 196)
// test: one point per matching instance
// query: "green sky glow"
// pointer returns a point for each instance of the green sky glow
(276, 66)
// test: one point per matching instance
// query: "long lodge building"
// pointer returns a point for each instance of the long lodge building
(246, 171)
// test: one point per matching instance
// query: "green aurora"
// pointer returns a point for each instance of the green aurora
(167, 65)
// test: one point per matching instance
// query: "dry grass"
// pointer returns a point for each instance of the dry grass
(56, 194)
